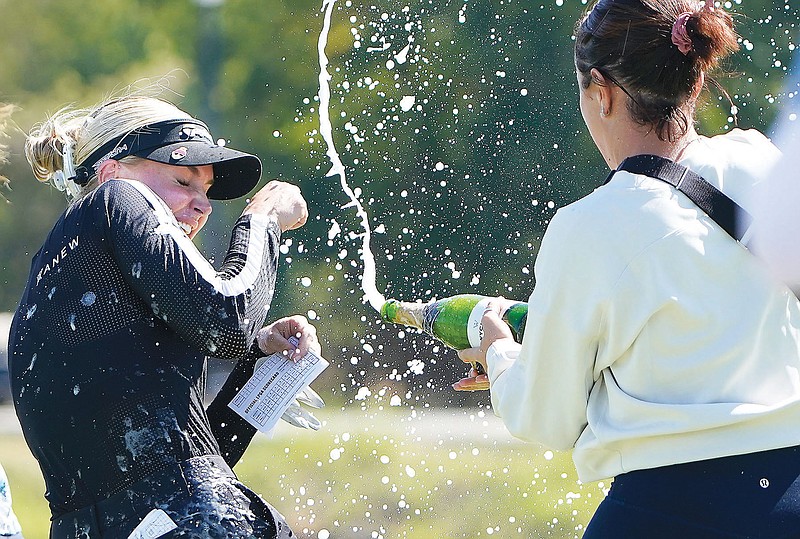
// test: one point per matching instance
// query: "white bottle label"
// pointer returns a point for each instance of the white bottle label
(474, 326)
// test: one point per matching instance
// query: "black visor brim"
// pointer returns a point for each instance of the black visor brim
(235, 173)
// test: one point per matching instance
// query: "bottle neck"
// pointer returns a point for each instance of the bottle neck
(404, 312)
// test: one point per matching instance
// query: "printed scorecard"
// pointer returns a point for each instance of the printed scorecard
(274, 384)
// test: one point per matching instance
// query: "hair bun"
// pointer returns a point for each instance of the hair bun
(712, 36)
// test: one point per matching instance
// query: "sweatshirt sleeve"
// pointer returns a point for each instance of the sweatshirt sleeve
(232, 432)
(216, 311)
(541, 388)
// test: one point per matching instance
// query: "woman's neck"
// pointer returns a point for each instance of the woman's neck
(635, 141)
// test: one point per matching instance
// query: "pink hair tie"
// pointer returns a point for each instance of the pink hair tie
(680, 37)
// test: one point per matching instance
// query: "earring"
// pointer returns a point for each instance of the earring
(603, 111)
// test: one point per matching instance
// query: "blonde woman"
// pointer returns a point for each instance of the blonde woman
(108, 345)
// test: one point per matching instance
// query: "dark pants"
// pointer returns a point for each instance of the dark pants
(201, 496)
(747, 496)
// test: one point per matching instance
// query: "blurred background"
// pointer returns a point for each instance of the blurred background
(458, 125)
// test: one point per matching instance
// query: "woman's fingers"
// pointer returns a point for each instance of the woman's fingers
(275, 337)
(472, 383)
(472, 355)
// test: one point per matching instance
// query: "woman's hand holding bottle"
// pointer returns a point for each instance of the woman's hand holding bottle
(494, 329)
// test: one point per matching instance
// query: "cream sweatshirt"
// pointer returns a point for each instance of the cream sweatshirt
(653, 337)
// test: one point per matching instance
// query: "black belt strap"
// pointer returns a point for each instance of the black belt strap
(725, 212)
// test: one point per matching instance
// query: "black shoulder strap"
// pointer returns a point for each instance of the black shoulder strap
(724, 211)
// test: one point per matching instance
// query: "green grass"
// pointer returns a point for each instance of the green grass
(387, 472)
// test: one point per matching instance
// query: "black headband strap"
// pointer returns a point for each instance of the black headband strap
(140, 140)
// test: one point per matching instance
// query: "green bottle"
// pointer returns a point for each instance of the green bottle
(456, 320)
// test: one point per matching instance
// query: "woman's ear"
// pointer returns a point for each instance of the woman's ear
(108, 171)
(604, 92)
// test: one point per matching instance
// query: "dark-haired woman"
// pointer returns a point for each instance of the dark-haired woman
(657, 346)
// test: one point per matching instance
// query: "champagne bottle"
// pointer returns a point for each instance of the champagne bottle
(455, 320)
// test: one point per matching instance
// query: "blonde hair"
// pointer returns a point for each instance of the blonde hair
(86, 130)
(5, 114)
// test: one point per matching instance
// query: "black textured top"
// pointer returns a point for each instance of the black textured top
(108, 346)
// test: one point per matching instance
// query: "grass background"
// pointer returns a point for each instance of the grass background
(385, 472)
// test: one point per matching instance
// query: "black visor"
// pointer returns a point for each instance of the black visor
(185, 142)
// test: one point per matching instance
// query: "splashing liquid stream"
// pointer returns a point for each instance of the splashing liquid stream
(368, 277)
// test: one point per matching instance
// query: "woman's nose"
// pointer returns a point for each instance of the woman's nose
(202, 204)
